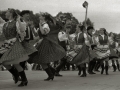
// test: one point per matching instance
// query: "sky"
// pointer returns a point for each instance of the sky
(104, 13)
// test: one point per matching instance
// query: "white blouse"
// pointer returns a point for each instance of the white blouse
(20, 31)
(2, 22)
(62, 36)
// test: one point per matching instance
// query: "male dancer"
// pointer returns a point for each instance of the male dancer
(93, 62)
(62, 40)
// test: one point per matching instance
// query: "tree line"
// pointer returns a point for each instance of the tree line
(35, 19)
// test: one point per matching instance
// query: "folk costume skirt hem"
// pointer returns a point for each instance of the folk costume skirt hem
(82, 57)
(48, 51)
(102, 53)
(17, 51)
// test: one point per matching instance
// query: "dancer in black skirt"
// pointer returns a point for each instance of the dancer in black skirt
(15, 49)
(48, 49)
(62, 41)
(25, 17)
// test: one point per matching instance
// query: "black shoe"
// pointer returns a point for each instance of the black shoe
(83, 75)
(92, 73)
(49, 78)
(57, 74)
(24, 81)
(118, 66)
(89, 72)
(50, 74)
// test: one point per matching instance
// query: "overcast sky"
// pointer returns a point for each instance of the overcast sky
(104, 13)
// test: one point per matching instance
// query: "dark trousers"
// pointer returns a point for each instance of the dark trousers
(23, 65)
(61, 65)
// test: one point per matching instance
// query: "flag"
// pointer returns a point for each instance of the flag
(85, 4)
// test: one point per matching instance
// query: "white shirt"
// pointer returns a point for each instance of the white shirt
(103, 36)
(92, 39)
(23, 24)
(73, 36)
(1, 27)
(62, 36)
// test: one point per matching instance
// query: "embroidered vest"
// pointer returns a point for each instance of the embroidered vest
(103, 42)
(80, 40)
(90, 39)
(29, 34)
(9, 30)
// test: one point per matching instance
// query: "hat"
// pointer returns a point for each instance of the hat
(82, 27)
(89, 27)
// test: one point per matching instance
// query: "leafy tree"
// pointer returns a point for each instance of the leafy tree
(2, 14)
(67, 15)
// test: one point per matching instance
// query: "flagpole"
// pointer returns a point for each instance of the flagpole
(86, 16)
(85, 5)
